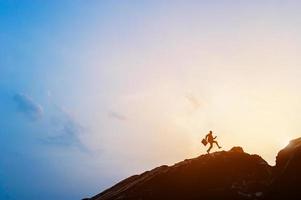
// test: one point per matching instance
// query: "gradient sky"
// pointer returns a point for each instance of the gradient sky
(94, 91)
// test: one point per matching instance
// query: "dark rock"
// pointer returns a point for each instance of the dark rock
(237, 149)
(227, 175)
(286, 183)
(232, 174)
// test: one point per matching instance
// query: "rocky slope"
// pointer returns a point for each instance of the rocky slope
(286, 182)
(232, 174)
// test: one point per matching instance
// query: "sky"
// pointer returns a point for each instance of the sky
(92, 92)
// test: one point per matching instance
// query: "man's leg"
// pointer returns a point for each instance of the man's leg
(209, 148)
(217, 144)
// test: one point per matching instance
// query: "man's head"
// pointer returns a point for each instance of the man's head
(210, 132)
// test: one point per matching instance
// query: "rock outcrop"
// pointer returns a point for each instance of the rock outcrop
(286, 183)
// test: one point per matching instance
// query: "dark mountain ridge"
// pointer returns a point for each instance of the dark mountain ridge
(232, 174)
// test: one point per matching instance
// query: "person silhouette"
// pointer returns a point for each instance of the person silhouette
(211, 140)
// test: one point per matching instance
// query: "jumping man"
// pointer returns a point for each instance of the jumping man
(210, 139)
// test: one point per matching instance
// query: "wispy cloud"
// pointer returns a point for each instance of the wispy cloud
(193, 100)
(27, 106)
(67, 135)
(66, 131)
(116, 115)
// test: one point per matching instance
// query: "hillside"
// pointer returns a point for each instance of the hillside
(232, 174)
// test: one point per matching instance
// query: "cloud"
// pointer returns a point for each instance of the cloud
(66, 131)
(67, 136)
(116, 115)
(194, 101)
(62, 127)
(28, 106)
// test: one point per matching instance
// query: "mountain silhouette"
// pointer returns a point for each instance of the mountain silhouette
(233, 175)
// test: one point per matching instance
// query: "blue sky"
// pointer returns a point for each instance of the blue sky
(94, 91)
(42, 156)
